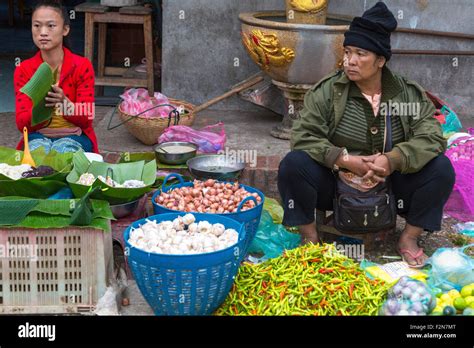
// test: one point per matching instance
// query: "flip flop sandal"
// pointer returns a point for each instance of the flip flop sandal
(414, 256)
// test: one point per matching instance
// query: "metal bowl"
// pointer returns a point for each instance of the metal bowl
(217, 167)
(123, 210)
(174, 158)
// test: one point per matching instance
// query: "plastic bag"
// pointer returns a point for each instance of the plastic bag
(460, 137)
(210, 139)
(137, 100)
(465, 228)
(452, 124)
(451, 268)
(272, 239)
(274, 208)
(391, 272)
(107, 304)
(408, 297)
(460, 204)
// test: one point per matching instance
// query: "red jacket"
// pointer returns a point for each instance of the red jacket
(77, 82)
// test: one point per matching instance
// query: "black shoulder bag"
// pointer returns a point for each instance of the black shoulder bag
(364, 212)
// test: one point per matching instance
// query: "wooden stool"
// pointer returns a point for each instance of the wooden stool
(113, 76)
(324, 225)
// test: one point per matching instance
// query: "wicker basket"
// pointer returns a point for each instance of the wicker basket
(148, 130)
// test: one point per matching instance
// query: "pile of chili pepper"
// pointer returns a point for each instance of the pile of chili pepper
(310, 280)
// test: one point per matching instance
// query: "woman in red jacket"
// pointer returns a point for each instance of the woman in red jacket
(72, 97)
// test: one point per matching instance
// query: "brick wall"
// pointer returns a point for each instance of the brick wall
(264, 176)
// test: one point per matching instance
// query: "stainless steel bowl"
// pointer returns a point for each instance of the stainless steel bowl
(174, 158)
(123, 210)
(217, 167)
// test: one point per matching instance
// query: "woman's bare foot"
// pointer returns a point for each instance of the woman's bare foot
(308, 233)
(408, 242)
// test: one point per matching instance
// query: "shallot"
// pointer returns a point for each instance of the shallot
(208, 196)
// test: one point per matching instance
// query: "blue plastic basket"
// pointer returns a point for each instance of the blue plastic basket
(186, 284)
(250, 218)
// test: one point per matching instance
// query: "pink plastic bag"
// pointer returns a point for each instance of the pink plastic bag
(210, 139)
(137, 100)
(460, 204)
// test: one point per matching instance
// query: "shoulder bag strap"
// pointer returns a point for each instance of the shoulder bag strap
(387, 142)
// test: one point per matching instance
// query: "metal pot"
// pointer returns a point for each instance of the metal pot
(174, 158)
(123, 210)
(217, 167)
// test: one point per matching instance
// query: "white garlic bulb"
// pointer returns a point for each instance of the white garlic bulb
(204, 227)
(193, 228)
(218, 229)
(188, 219)
(178, 223)
(167, 225)
(182, 236)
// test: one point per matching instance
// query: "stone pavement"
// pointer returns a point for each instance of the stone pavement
(138, 305)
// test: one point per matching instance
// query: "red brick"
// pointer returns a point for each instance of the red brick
(247, 177)
(262, 162)
(271, 190)
(273, 162)
(260, 180)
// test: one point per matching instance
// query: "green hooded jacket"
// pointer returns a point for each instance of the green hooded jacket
(324, 106)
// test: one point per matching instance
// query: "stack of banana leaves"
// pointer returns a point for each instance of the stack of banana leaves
(33, 213)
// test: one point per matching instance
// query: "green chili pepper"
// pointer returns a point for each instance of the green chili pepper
(311, 280)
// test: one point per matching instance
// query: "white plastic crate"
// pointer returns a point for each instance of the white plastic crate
(71, 271)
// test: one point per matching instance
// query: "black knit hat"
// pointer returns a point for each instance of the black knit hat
(372, 30)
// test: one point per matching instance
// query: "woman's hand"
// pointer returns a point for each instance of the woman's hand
(375, 167)
(56, 96)
(378, 169)
(356, 165)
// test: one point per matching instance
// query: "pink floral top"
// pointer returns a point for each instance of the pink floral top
(374, 101)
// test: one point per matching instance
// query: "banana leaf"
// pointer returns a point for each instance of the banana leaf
(41, 221)
(15, 211)
(140, 170)
(35, 187)
(126, 157)
(65, 207)
(57, 214)
(37, 89)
